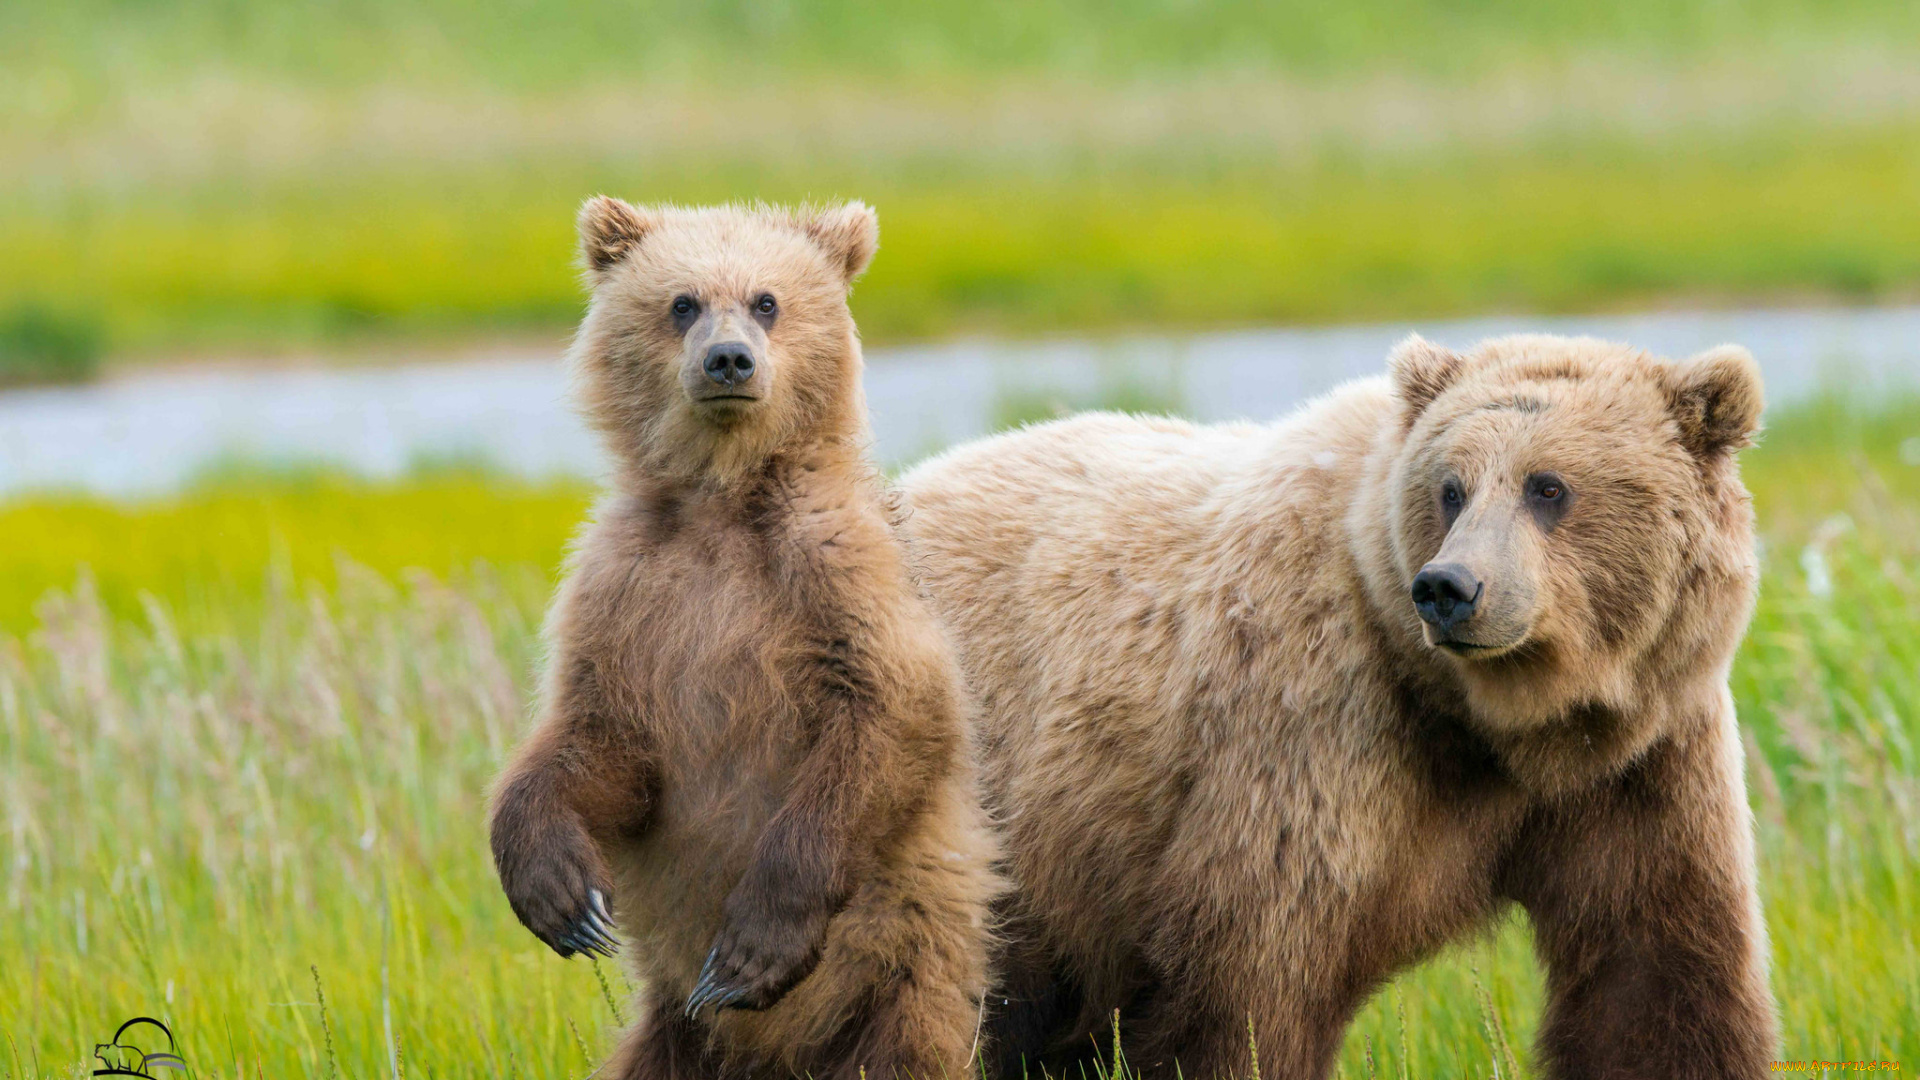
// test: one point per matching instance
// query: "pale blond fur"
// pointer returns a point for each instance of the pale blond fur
(1240, 783)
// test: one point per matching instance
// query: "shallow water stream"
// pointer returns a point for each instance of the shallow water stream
(148, 433)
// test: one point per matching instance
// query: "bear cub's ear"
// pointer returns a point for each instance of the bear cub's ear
(609, 231)
(1422, 371)
(1716, 399)
(849, 234)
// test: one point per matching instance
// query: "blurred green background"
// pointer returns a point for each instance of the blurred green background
(246, 728)
(236, 178)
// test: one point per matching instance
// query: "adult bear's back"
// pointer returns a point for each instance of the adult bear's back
(1117, 589)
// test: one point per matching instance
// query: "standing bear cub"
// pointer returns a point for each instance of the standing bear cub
(751, 757)
(1272, 712)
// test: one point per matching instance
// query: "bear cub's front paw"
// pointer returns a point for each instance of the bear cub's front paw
(760, 953)
(564, 902)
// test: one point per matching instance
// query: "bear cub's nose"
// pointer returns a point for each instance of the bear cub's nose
(1444, 594)
(729, 363)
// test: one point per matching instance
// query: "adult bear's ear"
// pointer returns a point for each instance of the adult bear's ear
(1716, 399)
(609, 231)
(1421, 371)
(849, 234)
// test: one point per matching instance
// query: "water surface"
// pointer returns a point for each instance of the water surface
(149, 433)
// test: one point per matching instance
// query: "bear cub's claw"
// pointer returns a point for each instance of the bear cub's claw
(589, 930)
(558, 901)
(753, 964)
(592, 931)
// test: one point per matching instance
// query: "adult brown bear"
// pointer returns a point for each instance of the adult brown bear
(1273, 712)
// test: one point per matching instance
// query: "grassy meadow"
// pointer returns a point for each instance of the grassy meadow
(218, 177)
(244, 761)
(245, 730)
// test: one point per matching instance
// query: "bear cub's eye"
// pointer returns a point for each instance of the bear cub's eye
(684, 309)
(765, 306)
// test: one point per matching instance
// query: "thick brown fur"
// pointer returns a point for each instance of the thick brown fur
(1239, 776)
(752, 738)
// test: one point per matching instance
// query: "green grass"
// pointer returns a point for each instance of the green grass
(40, 346)
(250, 740)
(221, 176)
(217, 550)
(1592, 227)
(1598, 227)
(530, 46)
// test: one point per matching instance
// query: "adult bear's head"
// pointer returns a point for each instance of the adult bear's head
(1567, 519)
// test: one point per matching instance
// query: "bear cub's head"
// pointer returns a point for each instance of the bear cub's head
(1567, 516)
(718, 336)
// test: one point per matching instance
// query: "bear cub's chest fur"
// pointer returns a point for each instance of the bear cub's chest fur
(741, 609)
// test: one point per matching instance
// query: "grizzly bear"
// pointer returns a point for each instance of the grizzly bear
(1271, 713)
(751, 757)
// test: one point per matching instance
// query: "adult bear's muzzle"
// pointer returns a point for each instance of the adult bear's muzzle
(1445, 594)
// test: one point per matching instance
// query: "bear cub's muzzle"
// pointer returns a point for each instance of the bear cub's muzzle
(730, 364)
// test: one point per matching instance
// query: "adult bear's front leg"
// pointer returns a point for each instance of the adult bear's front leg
(1226, 985)
(1644, 911)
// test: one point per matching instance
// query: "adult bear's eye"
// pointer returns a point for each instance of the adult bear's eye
(765, 307)
(685, 309)
(1451, 500)
(1547, 494)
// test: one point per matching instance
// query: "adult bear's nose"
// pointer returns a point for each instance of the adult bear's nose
(729, 363)
(1444, 594)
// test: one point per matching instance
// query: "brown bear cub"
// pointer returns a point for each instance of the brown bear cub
(751, 757)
